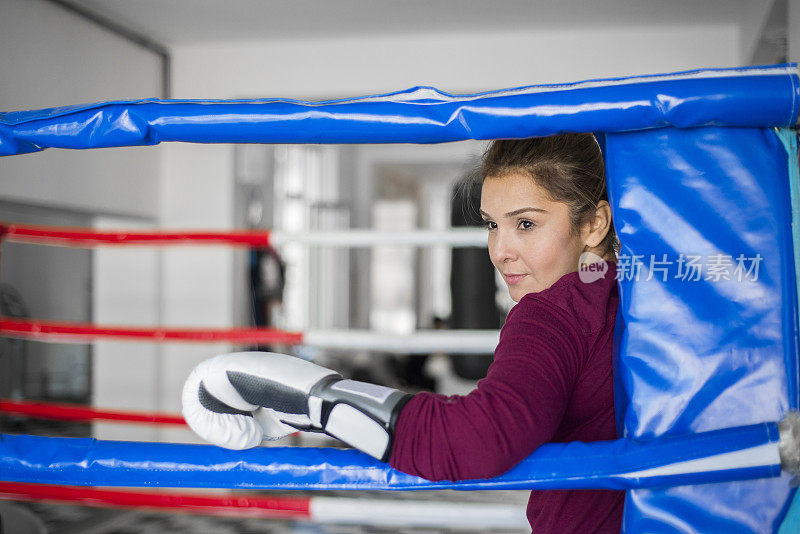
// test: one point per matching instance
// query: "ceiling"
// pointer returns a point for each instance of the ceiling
(186, 22)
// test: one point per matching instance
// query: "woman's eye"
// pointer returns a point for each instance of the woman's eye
(526, 225)
(489, 225)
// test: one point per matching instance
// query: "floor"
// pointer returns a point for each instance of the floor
(69, 519)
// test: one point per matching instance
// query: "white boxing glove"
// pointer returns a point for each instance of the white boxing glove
(238, 400)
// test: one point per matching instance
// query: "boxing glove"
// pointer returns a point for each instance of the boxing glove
(238, 400)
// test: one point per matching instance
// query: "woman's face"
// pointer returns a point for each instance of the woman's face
(530, 242)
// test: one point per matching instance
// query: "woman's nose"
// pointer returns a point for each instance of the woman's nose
(501, 247)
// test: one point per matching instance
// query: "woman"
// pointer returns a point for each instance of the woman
(546, 210)
(545, 206)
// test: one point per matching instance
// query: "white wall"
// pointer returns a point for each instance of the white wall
(179, 286)
(316, 68)
(196, 192)
(51, 58)
(125, 375)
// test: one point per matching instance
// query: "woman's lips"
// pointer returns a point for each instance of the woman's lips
(512, 279)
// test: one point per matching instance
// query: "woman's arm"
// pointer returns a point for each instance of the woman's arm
(237, 400)
(516, 408)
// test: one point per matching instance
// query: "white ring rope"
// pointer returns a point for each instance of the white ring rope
(482, 517)
(420, 342)
(467, 237)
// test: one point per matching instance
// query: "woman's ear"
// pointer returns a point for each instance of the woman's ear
(598, 226)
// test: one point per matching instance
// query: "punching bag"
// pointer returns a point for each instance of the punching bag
(472, 282)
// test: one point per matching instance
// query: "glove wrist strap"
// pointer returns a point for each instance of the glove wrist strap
(360, 414)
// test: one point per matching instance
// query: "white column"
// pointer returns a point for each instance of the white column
(197, 192)
(125, 292)
(793, 31)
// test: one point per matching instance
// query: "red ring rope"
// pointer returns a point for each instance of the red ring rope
(232, 504)
(74, 412)
(82, 332)
(87, 237)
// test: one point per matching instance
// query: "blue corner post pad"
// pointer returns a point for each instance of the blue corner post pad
(791, 523)
(788, 137)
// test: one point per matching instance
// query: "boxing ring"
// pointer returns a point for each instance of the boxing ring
(702, 179)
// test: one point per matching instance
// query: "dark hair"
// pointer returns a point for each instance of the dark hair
(569, 167)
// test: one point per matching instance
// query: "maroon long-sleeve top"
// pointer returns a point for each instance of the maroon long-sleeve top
(550, 381)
